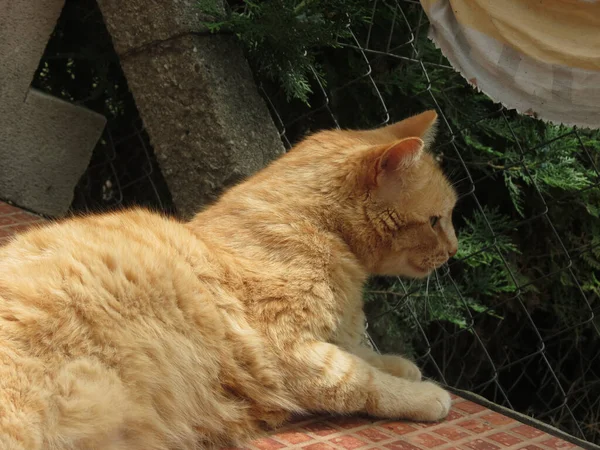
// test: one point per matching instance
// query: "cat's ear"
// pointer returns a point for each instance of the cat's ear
(422, 125)
(392, 160)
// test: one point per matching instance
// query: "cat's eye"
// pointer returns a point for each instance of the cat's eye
(434, 220)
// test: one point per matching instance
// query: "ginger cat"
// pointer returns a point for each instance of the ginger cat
(134, 331)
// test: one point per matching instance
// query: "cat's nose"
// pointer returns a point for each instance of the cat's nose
(452, 252)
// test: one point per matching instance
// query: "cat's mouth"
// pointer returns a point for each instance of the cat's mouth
(419, 271)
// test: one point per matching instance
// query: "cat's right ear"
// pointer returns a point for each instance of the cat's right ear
(422, 125)
(388, 162)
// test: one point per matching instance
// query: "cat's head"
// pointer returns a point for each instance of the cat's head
(394, 202)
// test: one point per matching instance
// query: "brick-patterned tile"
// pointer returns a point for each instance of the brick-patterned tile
(452, 433)
(427, 440)
(527, 431)
(267, 444)
(7, 220)
(468, 407)
(320, 428)
(293, 437)
(348, 442)
(13, 229)
(401, 445)
(481, 444)
(454, 414)
(318, 446)
(400, 428)
(505, 439)
(24, 217)
(475, 425)
(497, 419)
(557, 443)
(14, 220)
(5, 208)
(531, 447)
(373, 434)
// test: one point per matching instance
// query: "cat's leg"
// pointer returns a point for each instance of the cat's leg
(393, 364)
(352, 337)
(326, 378)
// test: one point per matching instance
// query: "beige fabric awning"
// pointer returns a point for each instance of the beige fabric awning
(540, 57)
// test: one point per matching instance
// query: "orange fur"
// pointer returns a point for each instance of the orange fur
(134, 331)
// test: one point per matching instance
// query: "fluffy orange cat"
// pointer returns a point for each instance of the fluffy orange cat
(135, 331)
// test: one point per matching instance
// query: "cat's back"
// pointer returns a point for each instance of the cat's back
(111, 249)
(105, 269)
(100, 277)
(101, 242)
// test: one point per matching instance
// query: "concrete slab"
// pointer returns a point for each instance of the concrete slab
(45, 142)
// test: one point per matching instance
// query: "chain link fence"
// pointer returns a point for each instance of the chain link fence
(514, 316)
(123, 172)
(503, 343)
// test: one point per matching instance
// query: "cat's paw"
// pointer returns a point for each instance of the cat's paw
(430, 402)
(400, 367)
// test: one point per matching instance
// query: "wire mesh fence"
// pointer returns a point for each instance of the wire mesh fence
(514, 316)
(487, 331)
(123, 172)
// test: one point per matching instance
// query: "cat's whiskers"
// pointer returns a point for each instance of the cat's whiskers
(427, 293)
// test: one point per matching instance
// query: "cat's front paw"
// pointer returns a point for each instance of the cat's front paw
(431, 402)
(400, 367)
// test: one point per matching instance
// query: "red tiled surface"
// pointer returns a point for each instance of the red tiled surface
(14, 220)
(469, 426)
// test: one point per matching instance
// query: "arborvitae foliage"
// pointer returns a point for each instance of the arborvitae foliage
(282, 37)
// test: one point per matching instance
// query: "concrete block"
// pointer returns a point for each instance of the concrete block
(152, 21)
(45, 147)
(45, 143)
(25, 27)
(197, 97)
(208, 125)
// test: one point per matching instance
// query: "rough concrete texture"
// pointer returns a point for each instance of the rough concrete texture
(45, 143)
(208, 125)
(198, 100)
(45, 147)
(24, 31)
(152, 21)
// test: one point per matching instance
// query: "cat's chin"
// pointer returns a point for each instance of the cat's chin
(406, 270)
(414, 271)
